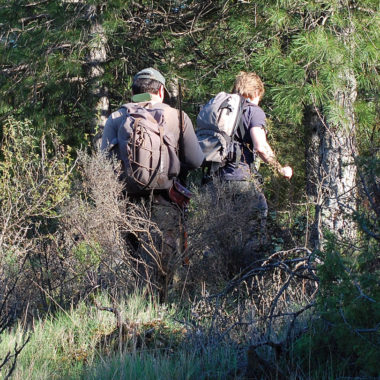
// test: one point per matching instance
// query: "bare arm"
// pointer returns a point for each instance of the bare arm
(261, 146)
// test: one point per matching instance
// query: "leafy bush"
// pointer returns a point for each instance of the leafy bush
(34, 183)
(347, 333)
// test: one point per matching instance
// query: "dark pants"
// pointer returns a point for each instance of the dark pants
(247, 207)
(160, 248)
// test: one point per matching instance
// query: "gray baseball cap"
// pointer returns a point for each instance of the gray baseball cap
(150, 73)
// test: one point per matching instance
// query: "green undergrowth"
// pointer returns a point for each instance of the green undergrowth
(151, 341)
(186, 363)
(87, 343)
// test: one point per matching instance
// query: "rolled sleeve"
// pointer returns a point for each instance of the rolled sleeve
(191, 154)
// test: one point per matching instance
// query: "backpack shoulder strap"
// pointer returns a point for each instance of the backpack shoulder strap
(240, 124)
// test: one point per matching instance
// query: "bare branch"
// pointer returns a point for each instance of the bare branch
(35, 3)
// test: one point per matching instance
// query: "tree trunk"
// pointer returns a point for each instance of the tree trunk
(97, 56)
(332, 184)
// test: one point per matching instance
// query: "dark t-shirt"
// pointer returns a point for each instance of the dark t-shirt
(253, 117)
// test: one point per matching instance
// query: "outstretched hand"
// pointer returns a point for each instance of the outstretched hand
(286, 172)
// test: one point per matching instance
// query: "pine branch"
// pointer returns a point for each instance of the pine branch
(15, 70)
(26, 20)
(35, 3)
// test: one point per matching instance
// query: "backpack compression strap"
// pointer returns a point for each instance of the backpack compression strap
(239, 127)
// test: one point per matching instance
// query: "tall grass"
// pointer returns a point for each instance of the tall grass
(185, 363)
(59, 345)
(84, 343)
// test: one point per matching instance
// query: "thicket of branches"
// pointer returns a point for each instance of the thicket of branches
(67, 229)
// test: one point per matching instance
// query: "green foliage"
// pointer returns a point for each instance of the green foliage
(303, 50)
(88, 254)
(349, 307)
(296, 47)
(215, 363)
(39, 63)
(34, 174)
(76, 344)
(345, 336)
(368, 131)
(35, 180)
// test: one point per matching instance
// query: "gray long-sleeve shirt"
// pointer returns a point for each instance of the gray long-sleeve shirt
(190, 153)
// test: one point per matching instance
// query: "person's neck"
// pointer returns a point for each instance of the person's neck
(255, 100)
(155, 99)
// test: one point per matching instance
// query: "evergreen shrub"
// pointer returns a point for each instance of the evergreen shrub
(347, 333)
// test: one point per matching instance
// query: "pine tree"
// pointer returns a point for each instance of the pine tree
(43, 61)
(318, 61)
(68, 63)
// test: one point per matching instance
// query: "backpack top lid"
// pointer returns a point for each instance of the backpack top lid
(221, 113)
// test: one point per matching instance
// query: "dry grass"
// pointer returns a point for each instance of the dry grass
(103, 240)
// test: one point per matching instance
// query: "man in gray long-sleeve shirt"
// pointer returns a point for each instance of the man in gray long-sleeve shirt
(151, 83)
(148, 90)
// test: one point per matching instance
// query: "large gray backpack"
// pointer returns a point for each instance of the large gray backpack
(217, 123)
(148, 151)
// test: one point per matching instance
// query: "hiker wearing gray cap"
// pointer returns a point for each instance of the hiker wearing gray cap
(154, 143)
(150, 73)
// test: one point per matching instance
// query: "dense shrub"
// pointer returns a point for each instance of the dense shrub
(34, 183)
(346, 332)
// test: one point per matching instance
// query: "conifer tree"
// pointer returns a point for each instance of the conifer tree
(66, 62)
(44, 56)
(322, 59)
(318, 60)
